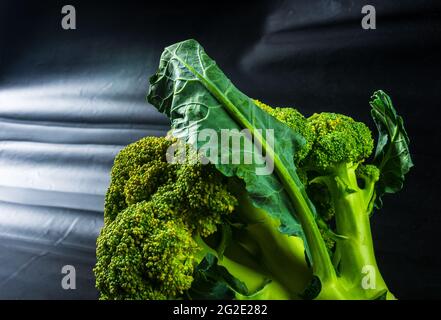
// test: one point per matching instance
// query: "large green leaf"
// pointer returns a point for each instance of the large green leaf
(195, 94)
(392, 154)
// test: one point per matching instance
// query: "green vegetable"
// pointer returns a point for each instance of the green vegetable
(291, 223)
(392, 156)
(159, 218)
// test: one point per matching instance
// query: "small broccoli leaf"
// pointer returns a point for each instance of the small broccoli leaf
(392, 154)
(261, 293)
(212, 281)
(195, 94)
(226, 238)
(381, 296)
(313, 289)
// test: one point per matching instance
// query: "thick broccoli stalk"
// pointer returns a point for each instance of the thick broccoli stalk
(281, 256)
(340, 147)
(258, 282)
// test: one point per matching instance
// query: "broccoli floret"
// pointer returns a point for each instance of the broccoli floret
(153, 210)
(128, 163)
(367, 177)
(337, 139)
(206, 195)
(369, 173)
(144, 181)
(296, 121)
(141, 171)
(335, 163)
(144, 253)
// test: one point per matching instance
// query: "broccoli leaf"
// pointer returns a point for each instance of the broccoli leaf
(392, 154)
(212, 281)
(312, 290)
(195, 94)
(226, 238)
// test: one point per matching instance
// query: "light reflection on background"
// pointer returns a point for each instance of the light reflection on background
(58, 140)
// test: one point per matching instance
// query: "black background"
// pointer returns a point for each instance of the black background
(310, 54)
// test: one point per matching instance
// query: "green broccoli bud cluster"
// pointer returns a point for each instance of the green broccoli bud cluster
(338, 139)
(153, 211)
(369, 173)
(144, 254)
(296, 121)
(128, 163)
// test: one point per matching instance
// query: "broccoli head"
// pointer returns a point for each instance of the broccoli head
(144, 253)
(153, 212)
(338, 139)
(129, 165)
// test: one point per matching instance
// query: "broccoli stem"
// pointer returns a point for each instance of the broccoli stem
(321, 262)
(358, 266)
(281, 256)
(255, 281)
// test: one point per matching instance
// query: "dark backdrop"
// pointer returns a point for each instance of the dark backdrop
(70, 99)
